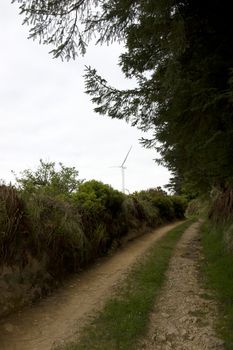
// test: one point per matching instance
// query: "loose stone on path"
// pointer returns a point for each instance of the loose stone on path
(182, 319)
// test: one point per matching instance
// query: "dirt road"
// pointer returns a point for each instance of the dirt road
(183, 319)
(60, 316)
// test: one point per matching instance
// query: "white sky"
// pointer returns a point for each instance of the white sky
(46, 114)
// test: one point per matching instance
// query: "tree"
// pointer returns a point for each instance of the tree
(180, 53)
(47, 179)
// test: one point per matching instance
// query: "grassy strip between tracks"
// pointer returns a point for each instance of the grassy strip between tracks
(218, 275)
(125, 318)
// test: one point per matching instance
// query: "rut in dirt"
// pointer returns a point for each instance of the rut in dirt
(61, 316)
(183, 318)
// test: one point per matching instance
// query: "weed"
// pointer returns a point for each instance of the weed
(218, 272)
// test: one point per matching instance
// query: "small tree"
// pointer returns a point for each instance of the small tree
(48, 179)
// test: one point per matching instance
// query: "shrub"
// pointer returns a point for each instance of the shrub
(180, 205)
(47, 179)
(165, 206)
(13, 227)
(67, 234)
(198, 207)
(56, 232)
(160, 201)
(96, 196)
(146, 212)
(54, 224)
(221, 209)
(100, 207)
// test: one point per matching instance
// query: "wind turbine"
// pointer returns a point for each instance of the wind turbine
(122, 167)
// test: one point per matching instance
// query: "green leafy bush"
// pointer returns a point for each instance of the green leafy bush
(165, 206)
(94, 194)
(146, 212)
(69, 232)
(198, 207)
(57, 234)
(100, 207)
(157, 200)
(47, 178)
(55, 224)
(180, 205)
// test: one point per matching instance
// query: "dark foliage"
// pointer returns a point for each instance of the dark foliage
(14, 230)
(65, 234)
(180, 53)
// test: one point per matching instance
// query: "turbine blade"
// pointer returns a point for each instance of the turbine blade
(126, 156)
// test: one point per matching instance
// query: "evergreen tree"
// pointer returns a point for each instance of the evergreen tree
(180, 53)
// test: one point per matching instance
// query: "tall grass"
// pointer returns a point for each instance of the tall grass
(218, 272)
(13, 226)
(68, 233)
(62, 233)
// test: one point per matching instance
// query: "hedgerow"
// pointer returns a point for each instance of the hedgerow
(68, 234)
(63, 229)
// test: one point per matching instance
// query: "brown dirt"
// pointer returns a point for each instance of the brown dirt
(183, 319)
(60, 316)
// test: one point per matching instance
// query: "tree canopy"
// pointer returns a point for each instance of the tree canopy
(180, 52)
(47, 178)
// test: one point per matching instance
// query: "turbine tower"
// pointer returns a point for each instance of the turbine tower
(123, 167)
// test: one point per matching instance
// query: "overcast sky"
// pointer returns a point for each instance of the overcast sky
(46, 114)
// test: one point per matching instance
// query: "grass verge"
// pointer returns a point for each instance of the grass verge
(124, 319)
(218, 274)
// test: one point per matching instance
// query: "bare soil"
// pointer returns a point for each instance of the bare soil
(183, 317)
(61, 316)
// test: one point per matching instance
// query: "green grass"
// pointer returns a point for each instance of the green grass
(124, 319)
(218, 273)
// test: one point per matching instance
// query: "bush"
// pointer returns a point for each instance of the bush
(47, 179)
(56, 233)
(95, 196)
(14, 233)
(100, 207)
(198, 207)
(54, 224)
(165, 206)
(180, 205)
(146, 212)
(68, 233)
(156, 199)
(221, 209)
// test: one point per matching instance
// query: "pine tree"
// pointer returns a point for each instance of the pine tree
(180, 53)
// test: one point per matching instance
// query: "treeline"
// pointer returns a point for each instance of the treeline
(180, 54)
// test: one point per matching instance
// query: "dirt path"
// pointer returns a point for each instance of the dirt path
(183, 319)
(58, 317)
